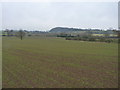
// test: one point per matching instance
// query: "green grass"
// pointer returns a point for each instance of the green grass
(55, 62)
(0, 62)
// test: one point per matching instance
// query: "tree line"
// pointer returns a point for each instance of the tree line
(87, 36)
(20, 34)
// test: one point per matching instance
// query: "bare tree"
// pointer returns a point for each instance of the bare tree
(8, 32)
(20, 34)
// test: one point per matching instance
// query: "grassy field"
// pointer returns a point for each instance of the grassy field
(55, 62)
(0, 62)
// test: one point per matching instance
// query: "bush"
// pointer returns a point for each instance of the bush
(68, 38)
(29, 35)
(3, 35)
(101, 40)
(92, 39)
(118, 40)
(96, 39)
(108, 41)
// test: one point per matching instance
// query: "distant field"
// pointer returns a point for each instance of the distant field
(55, 62)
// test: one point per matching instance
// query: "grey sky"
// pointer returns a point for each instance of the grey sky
(0, 16)
(44, 16)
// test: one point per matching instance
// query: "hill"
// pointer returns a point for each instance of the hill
(64, 29)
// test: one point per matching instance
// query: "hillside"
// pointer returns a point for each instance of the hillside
(64, 29)
(72, 30)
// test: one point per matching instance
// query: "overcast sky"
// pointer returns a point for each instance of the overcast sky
(47, 15)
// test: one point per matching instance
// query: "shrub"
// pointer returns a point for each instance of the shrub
(118, 40)
(92, 39)
(29, 35)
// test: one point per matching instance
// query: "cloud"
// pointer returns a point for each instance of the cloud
(0, 16)
(44, 16)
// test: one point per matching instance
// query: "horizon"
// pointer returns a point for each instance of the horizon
(62, 27)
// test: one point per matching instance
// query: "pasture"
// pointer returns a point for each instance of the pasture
(36, 62)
